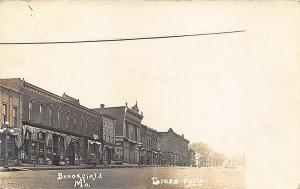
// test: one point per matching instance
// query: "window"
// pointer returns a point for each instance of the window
(30, 109)
(87, 127)
(81, 122)
(50, 116)
(75, 121)
(4, 113)
(58, 117)
(68, 119)
(92, 129)
(41, 112)
(15, 116)
(83, 126)
(135, 134)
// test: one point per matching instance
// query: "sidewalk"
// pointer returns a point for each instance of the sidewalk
(53, 167)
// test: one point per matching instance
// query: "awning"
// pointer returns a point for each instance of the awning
(67, 141)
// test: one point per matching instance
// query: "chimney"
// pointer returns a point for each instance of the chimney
(102, 105)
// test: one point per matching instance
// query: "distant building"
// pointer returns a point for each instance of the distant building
(175, 149)
(192, 158)
(151, 146)
(205, 156)
(127, 132)
(236, 161)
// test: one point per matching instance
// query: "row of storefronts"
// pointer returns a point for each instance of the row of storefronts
(39, 127)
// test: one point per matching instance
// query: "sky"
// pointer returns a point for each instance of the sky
(237, 92)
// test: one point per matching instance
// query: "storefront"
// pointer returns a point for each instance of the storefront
(12, 151)
(94, 152)
(47, 147)
(108, 154)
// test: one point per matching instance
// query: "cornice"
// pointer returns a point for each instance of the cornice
(59, 99)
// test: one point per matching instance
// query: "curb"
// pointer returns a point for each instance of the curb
(37, 168)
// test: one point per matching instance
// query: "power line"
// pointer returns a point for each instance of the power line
(120, 39)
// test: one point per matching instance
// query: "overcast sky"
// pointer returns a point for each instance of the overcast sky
(227, 90)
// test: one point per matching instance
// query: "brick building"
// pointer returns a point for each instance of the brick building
(151, 146)
(11, 110)
(192, 158)
(127, 132)
(175, 149)
(54, 129)
(108, 136)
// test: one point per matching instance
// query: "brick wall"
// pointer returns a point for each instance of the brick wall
(12, 100)
(86, 123)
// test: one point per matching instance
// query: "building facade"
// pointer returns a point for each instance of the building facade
(151, 146)
(55, 129)
(192, 158)
(175, 149)
(127, 132)
(39, 127)
(108, 142)
(11, 111)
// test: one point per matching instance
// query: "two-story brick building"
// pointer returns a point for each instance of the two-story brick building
(108, 136)
(175, 149)
(45, 128)
(55, 129)
(151, 146)
(11, 110)
(127, 132)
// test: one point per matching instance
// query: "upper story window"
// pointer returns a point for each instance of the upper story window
(50, 116)
(68, 119)
(30, 105)
(81, 122)
(75, 121)
(59, 117)
(87, 130)
(4, 113)
(15, 116)
(135, 134)
(93, 126)
(41, 112)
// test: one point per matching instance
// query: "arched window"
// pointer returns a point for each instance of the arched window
(75, 121)
(68, 119)
(59, 117)
(87, 130)
(41, 112)
(50, 116)
(30, 109)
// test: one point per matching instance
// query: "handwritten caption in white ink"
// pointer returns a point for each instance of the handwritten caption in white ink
(186, 182)
(80, 180)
